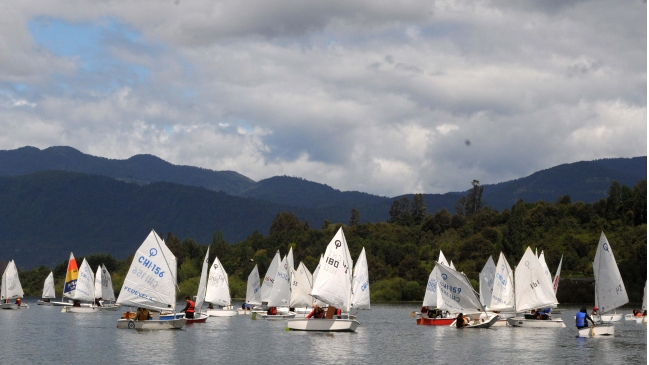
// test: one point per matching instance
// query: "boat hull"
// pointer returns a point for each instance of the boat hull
(641, 320)
(435, 321)
(198, 318)
(631, 317)
(243, 311)
(151, 324)
(615, 317)
(598, 330)
(535, 323)
(486, 323)
(222, 312)
(275, 317)
(41, 302)
(70, 309)
(323, 325)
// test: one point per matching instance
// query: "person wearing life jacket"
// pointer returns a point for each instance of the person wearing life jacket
(317, 312)
(18, 301)
(460, 321)
(272, 311)
(582, 318)
(189, 308)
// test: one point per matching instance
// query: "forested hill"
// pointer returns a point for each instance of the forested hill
(139, 169)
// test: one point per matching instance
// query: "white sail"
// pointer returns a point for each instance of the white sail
(361, 283)
(333, 284)
(253, 291)
(280, 293)
(430, 297)
(11, 287)
(451, 265)
(441, 259)
(319, 303)
(644, 297)
(151, 279)
(301, 282)
(557, 276)
(218, 288)
(85, 290)
(289, 259)
(48, 286)
(457, 295)
(502, 296)
(98, 283)
(269, 279)
(544, 265)
(533, 288)
(610, 292)
(202, 284)
(486, 277)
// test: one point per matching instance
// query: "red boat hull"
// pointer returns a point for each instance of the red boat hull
(196, 320)
(435, 321)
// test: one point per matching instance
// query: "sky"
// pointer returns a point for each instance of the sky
(377, 96)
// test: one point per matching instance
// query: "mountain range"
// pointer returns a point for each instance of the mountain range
(58, 199)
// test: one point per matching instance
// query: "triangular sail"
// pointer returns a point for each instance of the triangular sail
(457, 295)
(202, 285)
(487, 282)
(280, 293)
(107, 291)
(361, 284)
(218, 288)
(319, 303)
(333, 284)
(432, 297)
(253, 291)
(451, 265)
(557, 276)
(11, 287)
(610, 292)
(544, 265)
(269, 279)
(48, 286)
(98, 283)
(533, 288)
(289, 259)
(71, 275)
(442, 259)
(502, 297)
(85, 283)
(151, 279)
(301, 282)
(644, 297)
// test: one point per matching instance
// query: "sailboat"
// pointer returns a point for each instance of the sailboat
(361, 283)
(301, 283)
(280, 293)
(253, 291)
(11, 288)
(610, 292)
(151, 285)
(432, 312)
(218, 291)
(459, 297)
(104, 289)
(333, 286)
(502, 294)
(70, 284)
(48, 290)
(532, 289)
(268, 281)
(486, 278)
(199, 316)
(84, 292)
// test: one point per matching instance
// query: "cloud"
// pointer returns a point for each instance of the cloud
(371, 96)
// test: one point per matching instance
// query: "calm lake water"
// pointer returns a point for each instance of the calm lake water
(387, 335)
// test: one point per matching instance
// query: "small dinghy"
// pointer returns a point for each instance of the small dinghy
(104, 290)
(610, 292)
(48, 290)
(199, 316)
(150, 285)
(218, 291)
(11, 288)
(84, 292)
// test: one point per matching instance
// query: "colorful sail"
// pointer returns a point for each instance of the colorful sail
(71, 276)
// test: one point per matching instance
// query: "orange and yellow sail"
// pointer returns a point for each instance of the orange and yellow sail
(71, 276)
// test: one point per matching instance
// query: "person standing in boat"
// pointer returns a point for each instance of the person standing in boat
(189, 308)
(582, 318)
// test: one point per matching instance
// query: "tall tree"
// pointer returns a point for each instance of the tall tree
(356, 218)
(419, 208)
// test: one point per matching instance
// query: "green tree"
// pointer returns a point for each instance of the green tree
(419, 209)
(285, 222)
(355, 219)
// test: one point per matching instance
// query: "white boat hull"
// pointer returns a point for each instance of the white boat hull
(323, 325)
(275, 317)
(485, 323)
(535, 323)
(70, 309)
(13, 306)
(598, 330)
(151, 324)
(607, 317)
(221, 312)
(641, 320)
(243, 311)
(110, 307)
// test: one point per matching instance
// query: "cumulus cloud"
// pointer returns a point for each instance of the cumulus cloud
(374, 96)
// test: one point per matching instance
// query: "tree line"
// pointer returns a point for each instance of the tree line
(402, 251)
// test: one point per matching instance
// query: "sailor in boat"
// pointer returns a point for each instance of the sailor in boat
(272, 311)
(18, 301)
(99, 302)
(595, 311)
(189, 308)
(76, 303)
(636, 313)
(582, 318)
(245, 306)
(461, 321)
(317, 312)
(142, 314)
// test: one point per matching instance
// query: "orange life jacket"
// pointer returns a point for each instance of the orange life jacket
(190, 307)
